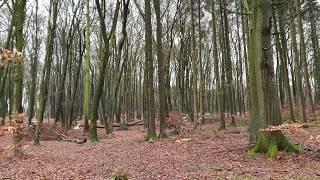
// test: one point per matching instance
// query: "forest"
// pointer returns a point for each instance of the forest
(159, 89)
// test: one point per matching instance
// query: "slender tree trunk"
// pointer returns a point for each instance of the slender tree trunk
(86, 101)
(297, 64)
(161, 62)
(149, 59)
(194, 66)
(45, 78)
(284, 58)
(34, 69)
(303, 55)
(228, 64)
(102, 68)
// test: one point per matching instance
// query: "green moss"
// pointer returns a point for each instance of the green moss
(119, 177)
(271, 143)
(260, 145)
(151, 138)
(273, 149)
(286, 145)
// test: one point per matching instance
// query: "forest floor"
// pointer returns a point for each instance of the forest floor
(204, 154)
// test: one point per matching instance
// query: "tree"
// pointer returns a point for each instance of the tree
(303, 54)
(161, 77)
(19, 15)
(194, 65)
(265, 109)
(150, 69)
(86, 100)
(45, 78)
(216, 66)
(297, 64)
(93, 137)
(313, 12)
(34, 67)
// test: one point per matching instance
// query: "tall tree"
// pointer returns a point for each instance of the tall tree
(19, 15)
(45, 78)
(313, 11)
(161, 63)
(216, 65)
(150, 69)
(107, 38)
(86, 100)
(194, 65)
(34, 66)
(297, 64)
(265, 109)
(303, 54)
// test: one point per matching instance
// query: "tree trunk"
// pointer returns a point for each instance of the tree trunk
(19, 15)
(86, 100)
(45, 78)
(297, 64)
(265, 109)
(161, 79)
(149, 60)
(303, 55)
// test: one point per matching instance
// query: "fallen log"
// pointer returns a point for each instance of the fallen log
(133, 123)
(63, 137)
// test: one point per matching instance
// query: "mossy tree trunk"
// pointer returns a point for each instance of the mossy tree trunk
(116, 79)
(86, 101)
(107, 38)
(265, 108)
(45, 78)
(19, 15)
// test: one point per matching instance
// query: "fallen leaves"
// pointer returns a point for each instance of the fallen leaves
(198, 156)
(7, 57)
(293, 127)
